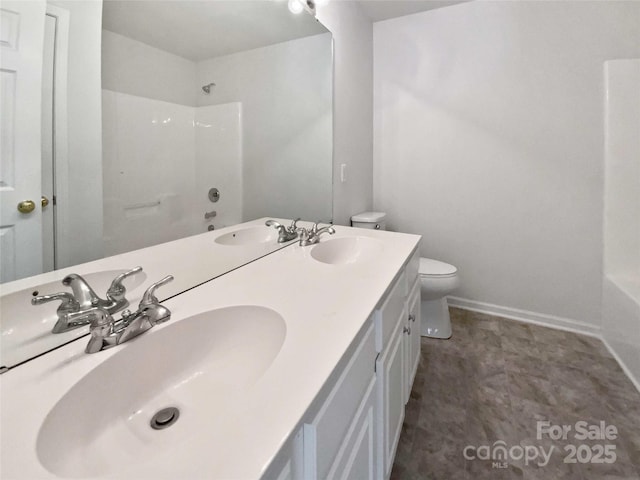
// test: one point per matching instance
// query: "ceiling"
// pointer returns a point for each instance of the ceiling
(198, 30)
(378, 10)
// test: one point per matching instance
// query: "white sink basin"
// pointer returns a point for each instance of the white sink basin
(24, 337)
(249, 236)
(202, 365)
(346, 250)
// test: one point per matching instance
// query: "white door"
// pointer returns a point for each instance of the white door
(21, 37)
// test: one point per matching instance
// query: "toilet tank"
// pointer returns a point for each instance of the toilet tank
(373, 220)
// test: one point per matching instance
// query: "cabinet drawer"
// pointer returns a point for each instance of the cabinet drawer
(387, 316)
(325, 434)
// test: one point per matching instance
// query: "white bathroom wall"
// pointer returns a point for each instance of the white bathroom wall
(352, 108)
(80, 202)
(132, 67)
(218, 163)
(488, 141)
(149, 172)
(621, 288)
(282, 160)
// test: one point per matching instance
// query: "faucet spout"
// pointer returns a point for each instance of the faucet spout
(82, 291)
(285, 234)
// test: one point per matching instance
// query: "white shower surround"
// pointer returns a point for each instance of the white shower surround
(160, 159)
(621, 282)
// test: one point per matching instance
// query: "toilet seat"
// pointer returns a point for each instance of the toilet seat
(435, 268)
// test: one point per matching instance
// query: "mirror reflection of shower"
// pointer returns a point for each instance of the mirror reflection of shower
(207, 88)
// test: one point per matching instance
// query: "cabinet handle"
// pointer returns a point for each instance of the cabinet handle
(412, 318)
(407, 330)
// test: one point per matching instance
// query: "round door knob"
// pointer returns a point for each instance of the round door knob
(44, 201)
(26, 206)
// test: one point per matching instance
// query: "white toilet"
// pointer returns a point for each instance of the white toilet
(437, 280)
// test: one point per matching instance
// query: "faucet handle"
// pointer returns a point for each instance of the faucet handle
(117, 290)
(293, 228)
(149, 297)
(69, 303)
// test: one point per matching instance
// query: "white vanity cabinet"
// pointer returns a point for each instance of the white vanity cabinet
(399, 354)
(339, 438)
(353, 428)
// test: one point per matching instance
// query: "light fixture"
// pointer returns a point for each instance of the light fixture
(297, 6)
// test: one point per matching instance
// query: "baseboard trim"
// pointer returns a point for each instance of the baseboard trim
(625, 369)
(544, 320)
(527, 316)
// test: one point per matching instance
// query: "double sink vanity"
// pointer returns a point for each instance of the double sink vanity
(287, 362)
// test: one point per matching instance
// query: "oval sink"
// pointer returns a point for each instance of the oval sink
(24, 337)
(249, 236)
(346, 250)
(202, 366)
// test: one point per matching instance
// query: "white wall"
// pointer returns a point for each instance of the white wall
(81, 209)
(488, 128)
(132, 67)
(621, 288)
(285, 91)
(352, 107)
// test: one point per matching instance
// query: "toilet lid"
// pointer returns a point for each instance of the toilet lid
(435, 268)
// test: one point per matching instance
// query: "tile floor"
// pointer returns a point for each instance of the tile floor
(493, 380)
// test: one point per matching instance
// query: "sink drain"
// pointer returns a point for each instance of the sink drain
(164, 418)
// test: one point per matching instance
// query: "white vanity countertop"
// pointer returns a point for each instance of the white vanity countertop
(196, 255)
(324, 307)
(192, 261)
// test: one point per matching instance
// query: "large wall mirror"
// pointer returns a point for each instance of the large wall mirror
(146, 107)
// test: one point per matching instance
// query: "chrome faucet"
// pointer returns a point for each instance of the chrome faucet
(69, 305)
(85, 298)
(106, 332)
(312, 236)
(285, 234)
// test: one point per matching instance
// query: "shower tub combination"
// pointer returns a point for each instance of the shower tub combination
(621, 282)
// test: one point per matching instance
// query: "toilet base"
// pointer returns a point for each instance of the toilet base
(435, 320)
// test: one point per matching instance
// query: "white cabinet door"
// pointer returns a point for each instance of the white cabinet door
(391, 393)
(357, 460)
(21, 38)
(326, 437)
(412, 340)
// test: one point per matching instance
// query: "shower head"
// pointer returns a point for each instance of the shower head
(207, 88)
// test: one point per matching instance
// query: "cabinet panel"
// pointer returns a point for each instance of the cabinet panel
(391, 368)
(325, 434)
(411, 271)
(288, 464)
(413, 338)
(357, 457)
(387, 315)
